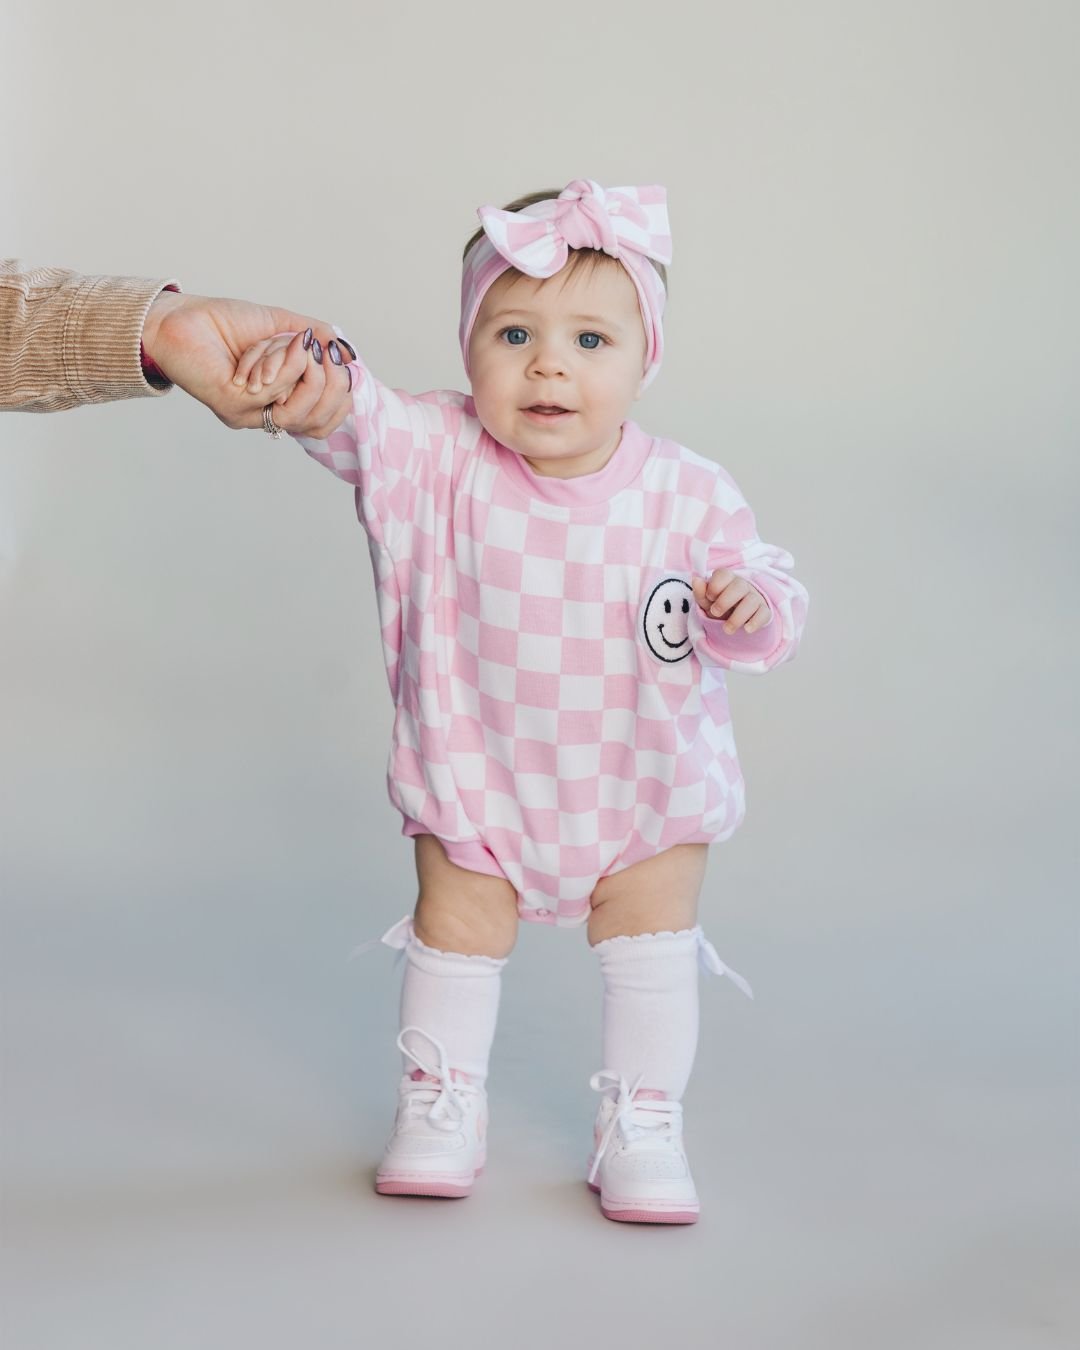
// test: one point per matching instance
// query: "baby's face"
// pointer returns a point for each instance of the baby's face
(577, 341)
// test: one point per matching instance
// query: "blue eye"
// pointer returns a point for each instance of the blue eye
(590, 347)
(508, 331)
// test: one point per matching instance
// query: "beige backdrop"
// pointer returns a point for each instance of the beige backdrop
(873, 326)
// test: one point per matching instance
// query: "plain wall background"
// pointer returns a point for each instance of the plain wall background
(873, 326)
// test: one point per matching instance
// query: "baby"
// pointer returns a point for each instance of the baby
(560, 595)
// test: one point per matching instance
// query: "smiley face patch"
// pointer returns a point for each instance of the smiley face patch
(665, 618)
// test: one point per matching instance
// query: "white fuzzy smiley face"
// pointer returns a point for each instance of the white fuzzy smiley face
(665, 619)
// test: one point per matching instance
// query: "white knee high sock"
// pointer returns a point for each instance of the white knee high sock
(454, 998)
(650, 1016)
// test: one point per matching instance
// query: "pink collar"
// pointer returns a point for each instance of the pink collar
(586, 490)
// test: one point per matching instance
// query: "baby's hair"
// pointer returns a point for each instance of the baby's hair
(579, 257)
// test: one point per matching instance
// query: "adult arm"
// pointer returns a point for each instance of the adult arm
(68, 339)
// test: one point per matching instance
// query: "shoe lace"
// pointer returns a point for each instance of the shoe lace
(651, 1122)
(436, 1098)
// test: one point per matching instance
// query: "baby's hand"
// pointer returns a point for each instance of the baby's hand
(301, 380)
(726, 591)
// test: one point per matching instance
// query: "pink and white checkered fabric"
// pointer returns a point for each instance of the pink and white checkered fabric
(561, 708)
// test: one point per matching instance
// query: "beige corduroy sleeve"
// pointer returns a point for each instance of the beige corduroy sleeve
(68, 339)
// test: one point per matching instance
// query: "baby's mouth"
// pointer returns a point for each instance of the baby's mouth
(549, 409)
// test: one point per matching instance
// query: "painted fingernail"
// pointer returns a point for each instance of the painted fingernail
(348, 371)
(307, 339)
(334, 352)
(347, 343)
(316, 350)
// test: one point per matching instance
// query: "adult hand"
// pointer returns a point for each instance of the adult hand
(196, 341)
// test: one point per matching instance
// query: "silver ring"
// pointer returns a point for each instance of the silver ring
(269, 425)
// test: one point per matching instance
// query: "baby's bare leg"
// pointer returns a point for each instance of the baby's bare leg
(651, 896)
(459, 910)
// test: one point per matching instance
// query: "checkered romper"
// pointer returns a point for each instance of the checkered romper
(561, 709)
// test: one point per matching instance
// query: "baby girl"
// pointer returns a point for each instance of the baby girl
(560, 594)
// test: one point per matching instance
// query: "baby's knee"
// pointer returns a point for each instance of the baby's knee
(475, 922)
(469, 930)
(657, 893)
(459, 910)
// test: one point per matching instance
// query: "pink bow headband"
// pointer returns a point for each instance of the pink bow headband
(628, 223)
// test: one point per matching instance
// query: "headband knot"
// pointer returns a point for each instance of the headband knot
(582, 219)
(627, 223)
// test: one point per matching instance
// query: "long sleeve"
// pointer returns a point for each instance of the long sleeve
(384, 449)
(68, 339)
(731, 532)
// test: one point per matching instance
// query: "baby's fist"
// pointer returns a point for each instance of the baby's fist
(273, 366)
(726, 595)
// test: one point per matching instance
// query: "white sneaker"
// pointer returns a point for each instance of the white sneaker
(638, 1155)
(439, 1142)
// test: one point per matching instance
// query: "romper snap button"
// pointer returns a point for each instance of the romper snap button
(542, 913)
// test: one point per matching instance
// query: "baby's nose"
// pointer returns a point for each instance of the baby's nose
(547, 359)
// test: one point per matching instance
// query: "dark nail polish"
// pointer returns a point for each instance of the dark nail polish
(316, 350)
(307, 339)
(348, 371)
(334, 352)
(352, 350)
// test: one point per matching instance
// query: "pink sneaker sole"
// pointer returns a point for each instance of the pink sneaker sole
(640, 1215)
(417, 1183)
